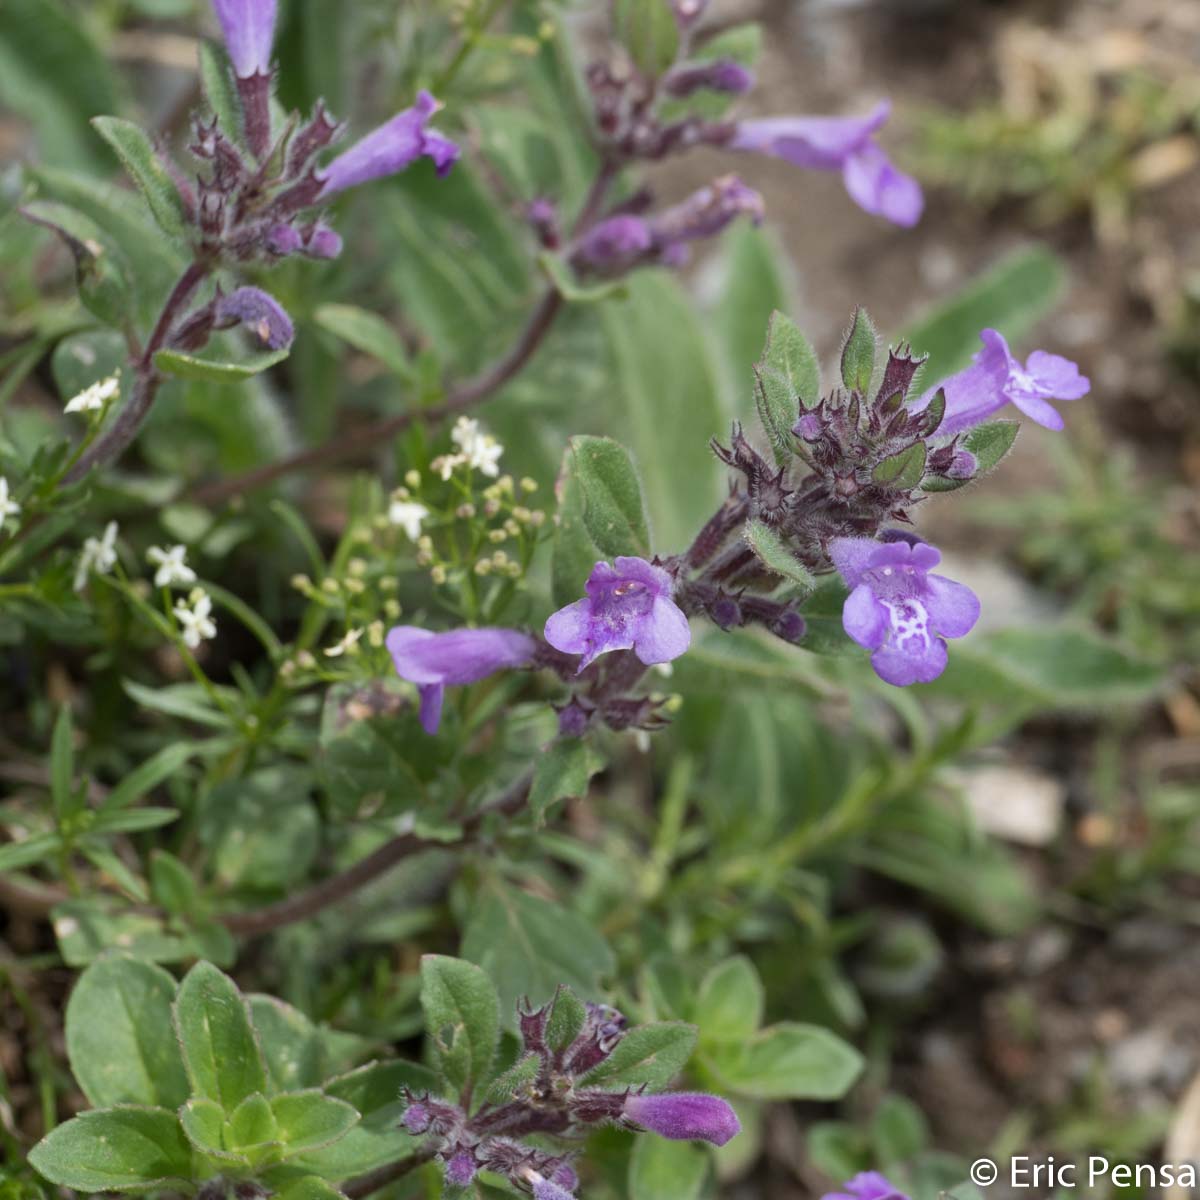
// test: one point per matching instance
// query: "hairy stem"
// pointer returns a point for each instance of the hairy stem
(337, 887)
(459, 399)
(111, 444)
(372, 1181)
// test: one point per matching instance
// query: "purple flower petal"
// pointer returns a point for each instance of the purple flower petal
(881, 189)
(1039, 409)
(628, 606)
(390, 149)
(547, 1189)
(260, 312)
(821, 142)
(852, 556)
(433, 660)
(953, 607)
(868, 1185)
(685, 1116)
(248, 27)
(864, 618)
(902, 667)
(1058, 376)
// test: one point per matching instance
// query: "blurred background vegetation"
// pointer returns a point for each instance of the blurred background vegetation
(989, 886)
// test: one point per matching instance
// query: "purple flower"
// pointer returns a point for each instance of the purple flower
(868, 1185)
(845, 144)
(722, 75)
(900, 611)
(416, 1118)
(996, 377)
(547, 1189)
(282, 240)
(684, 1116)
(390, 148)
(460, 1170)
(258, 311)
(628, 606)
(248, 27)
(435, 660)
(614, 245)
(322, 242)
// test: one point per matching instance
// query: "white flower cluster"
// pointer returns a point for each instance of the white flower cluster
(478, 450)
(195, 618)
(408, 514)
(94, 398)
(171, 564)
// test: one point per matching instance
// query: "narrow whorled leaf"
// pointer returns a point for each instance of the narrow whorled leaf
(773, 553)
(126, 1149)
(561, 773)
(462, 1015)
(120, 1038)
(148, 775)
(650, 1054)
(368, 332)
(141, 162)
(62, 767)
(220, 1050)
(192, 366)
(613, 512)
(903, 469)
(858, 354)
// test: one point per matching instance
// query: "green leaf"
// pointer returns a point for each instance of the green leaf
(650, 1054)
(1056, 667)
(120, 1038)
(132, 820)
(191, 366)
(101, 273)
(462, 1016)
(172, 885)
(203, 1123)
(613, 512)
(567, 1019)
(559, 273)
(648, 31)
(899, 1131)
(220, 1051)
(291, 1044)
(991, 441)
(148, 775)
(858, 354)
(663, 1170)
(902, 470)
(787, 379)
(731, 1000)
(252, 1124)
(529, 945)
(574, 553)
(32, 850)
(516, 1081)
(368, 332)
(788, 1061)
(773, 553)
(141, 162)
(311, 1120)
(1012, 297)
(376, 1092)
(308, 1187)
(86, 928)
(561, 773)
(822, 614)
(220, 92)
(124, 1149)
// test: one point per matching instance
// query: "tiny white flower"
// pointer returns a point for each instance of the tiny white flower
(444, 464)
(98, 556)
(408, 514)
(94, 398)
(479, 449)
(172, 568)
(8, 506)
(346, 645)
(195, 616)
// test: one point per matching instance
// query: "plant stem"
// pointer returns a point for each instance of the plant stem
(372, 1181)
(337, 887)
(466, 395)
(117, 439)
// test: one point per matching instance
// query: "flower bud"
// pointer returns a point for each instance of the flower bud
(723, 75)
(684, 1116)
(260, 312)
